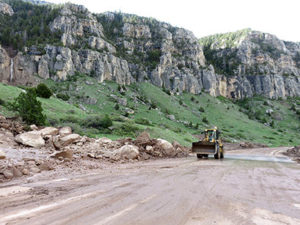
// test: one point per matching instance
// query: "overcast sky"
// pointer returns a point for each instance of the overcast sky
(205, 17)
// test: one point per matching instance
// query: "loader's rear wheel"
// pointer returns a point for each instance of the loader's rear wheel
(199, 156)
(218, 154)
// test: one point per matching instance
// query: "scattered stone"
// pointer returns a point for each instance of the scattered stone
(63, 154)
(2, 154)
(16, 172)
(25, 171)
(69, 139)
(104, 140)
(32, 139)
(122, 101)
(8, 174)
(35, 170)
(91, 155)
(171, 117)
(46, 166)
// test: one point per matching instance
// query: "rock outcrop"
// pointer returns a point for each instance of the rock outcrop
(6, 9)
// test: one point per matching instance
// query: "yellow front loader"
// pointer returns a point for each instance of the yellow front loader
(210, 145)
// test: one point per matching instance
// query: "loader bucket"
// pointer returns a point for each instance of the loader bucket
(203, 147)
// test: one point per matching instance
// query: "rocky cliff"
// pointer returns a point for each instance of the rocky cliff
(127, 49)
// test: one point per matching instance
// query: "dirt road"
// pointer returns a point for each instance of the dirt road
(248, 187)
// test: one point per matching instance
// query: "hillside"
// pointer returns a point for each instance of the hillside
(178, 117)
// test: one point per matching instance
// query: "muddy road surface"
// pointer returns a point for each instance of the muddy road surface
(257, 186)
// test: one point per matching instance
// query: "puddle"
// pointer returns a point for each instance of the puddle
(259, 158)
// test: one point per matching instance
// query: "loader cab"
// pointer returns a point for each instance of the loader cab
(211, 135)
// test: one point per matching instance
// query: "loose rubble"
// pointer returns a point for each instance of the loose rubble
(294, 153)
(25, 153)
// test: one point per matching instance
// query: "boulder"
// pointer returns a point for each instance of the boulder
(65, 131)
(31, 139)
(165, 146)
(69, 139)
(49, 131)
(127, 152)
(2, 154)
(171, 117)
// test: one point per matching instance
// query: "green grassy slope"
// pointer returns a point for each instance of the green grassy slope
(239, 121)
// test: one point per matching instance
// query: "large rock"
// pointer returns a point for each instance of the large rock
(33, 139)
(69, 139)
(65, 131)
(127, 152)
(166, 147)
(48, 131)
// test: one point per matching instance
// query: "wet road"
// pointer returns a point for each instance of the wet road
(258, 186)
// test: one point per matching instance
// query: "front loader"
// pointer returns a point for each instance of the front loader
(210, 145)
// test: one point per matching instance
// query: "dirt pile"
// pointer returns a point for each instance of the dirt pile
(294, 153)
(24, 152)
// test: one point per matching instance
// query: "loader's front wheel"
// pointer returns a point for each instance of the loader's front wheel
(218, 154)
(199, 156)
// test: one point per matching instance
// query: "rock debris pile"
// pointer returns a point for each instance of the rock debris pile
(29, 152)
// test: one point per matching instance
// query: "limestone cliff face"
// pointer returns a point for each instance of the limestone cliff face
(127, 49)
(254, 63)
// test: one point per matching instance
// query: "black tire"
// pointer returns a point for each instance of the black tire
(205, 155)
(218, 154)
(199, 156)
(222, 154)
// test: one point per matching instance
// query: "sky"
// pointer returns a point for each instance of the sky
(206, 17)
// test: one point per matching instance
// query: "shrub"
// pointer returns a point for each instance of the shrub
(43, 91)
(201, 109)
(2, 102)
(142, 121)
(127, 128)
(98, 122)
(63, 97)
(29, 108)
(192, 98)
(180, 102)
(117, 107)
(204, 120)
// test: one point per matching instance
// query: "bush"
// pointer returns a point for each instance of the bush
(142, 121)
(29, 108)
(43, 91)
(127, 129)
(204, 120)
(117, 107)
(201, 109)
(63, 97)
(180, 102)
(2, 102)
(192, 98)
(98, 122)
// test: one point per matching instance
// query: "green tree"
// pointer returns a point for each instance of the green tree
(43, 91)
(29, 108)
